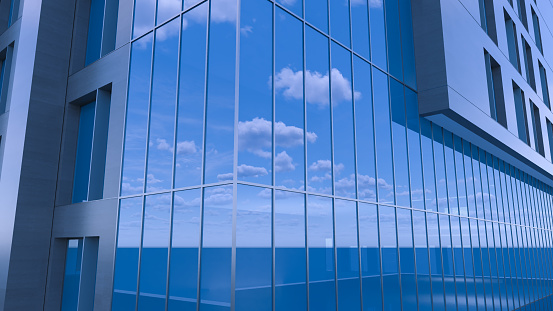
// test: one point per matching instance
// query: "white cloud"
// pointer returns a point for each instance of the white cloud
(251, 171)
(246, 30)
(186, 147)
(375, 3)
(223, 11)
(223, 177)
(287, 2)
(284, 162)
(321, 165)
(316, 86)
(161, 144)
(128, 188)
(256, 135)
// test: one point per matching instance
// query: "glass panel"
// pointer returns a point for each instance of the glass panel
(134, 153)
(370, 257)
(162, 108)
(94, 34)
(167, 9)
(390, 256)
(438, 298)
(468, 261)
(439, 162)
(428, 165)
(72, 276)
(478, 265)
(423, 269)
(477, 182)
(366, 181)
(407, 260)
(485, 186)
(407, 44)
(347, 256)
(460, 176)
(316, 13)
(447, 262)
(360, 27)
(322, 285)
(155, 247)
(127, 252)
(450, 173)
(401, 165)
(383, 138)
(215, 275)
(458, 262)
(289, 109)
(469, 178)
(339, 21)
(378, 33)
(190, 118)
(393, 38)
(219, 156)
(319, 172)
(295, 6)
(342, 118)
(183, 273)
(254, 254)
(84, 153)
(189, 3)
(255, 135)
(290, 254)
(144, 14)
(486, 265)
(414, 144)
(491, 181)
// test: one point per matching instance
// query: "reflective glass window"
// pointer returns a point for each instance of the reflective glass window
(340, 21)
(316, 13)
(167, 9)
(477, 181)
(407, 44)
(320, 233)
(439, 162)
(342, 96)
(347, 256)
(469, 179)
(438, 297)
(317, 84)
(407, 260)
(162, 108)
(377, 34)
(295, 6)
(447, 261)
(134, 153)
(219, 144)
(289, 104)
(360, 27)
(485, 185)
(461, 179)
(183, 269)
(370, 257)
(72, 275)
(401, 159)
(190, 115)
(383, 138)
(393, 39)
(478, 265)
(458, 262)
(414, 145)
(144, 14)
(449, 154)
(94, 34)
(424, 288)
(491, 183)
(255, 114)
(428, 165)
(290, 254)
(364, 126)
(84, 152)
(468, 260)
(253, 289)
(127, 252)
(155, 251)
(390, 256)
(216, 256)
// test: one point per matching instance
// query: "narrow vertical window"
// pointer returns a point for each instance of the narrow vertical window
(5, 67)
(80, 274)
(529, 64)
(2, 69)
(550, 137)
(487, 18)
(521, 6)
(537, 32)
(520, 109)
(495, 90)
(536, 126)
(94, 35)
(512, 43)
(544, 85)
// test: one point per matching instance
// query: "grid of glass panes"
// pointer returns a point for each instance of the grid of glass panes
(281, 164)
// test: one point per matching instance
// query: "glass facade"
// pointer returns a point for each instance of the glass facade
(275, 159)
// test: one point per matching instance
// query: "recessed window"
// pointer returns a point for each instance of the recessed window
(79, 280)
(487, 18)
(550, 136)
(520, 110)
(495, 90)
(90, 156)
(521, 6)
(544, 85)
(5, 61)
(529, 64)
(512, 43)
(537, 32)
(536, 126)
(9, 10)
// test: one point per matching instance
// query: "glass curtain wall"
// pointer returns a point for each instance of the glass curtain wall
(274, 159)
